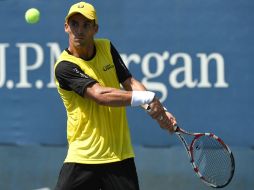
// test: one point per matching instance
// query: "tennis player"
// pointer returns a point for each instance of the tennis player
(88, 76)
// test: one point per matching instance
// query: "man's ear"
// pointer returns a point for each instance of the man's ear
(66, 27)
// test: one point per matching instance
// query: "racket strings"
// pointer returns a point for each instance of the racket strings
(212, 160)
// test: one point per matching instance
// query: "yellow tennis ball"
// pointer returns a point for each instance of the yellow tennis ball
(32, 16)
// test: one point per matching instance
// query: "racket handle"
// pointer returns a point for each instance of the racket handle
(148, 109)
(176, 128)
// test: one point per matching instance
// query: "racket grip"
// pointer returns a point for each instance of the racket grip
(148, 109)
(175, 127)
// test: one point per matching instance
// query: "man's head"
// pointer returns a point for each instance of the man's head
(81, 24)
(83, 8)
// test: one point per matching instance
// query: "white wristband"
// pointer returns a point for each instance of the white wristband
(141, 97)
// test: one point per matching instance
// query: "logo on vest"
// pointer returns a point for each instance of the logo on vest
(80, 73)
(107, 67)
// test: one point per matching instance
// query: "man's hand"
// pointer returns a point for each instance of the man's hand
(165, 119)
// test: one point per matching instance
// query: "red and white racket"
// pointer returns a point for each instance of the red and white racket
(210, 157)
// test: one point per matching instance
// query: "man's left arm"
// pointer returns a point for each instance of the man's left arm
(129, 83)
(156, 110)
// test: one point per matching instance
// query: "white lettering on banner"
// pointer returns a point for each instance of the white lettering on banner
(24, 67)
(204, 60)
(181, 64)
(186, 69)
(155, 86)
(55, 52)
(3, 63)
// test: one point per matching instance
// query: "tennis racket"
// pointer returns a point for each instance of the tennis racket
(210, 157)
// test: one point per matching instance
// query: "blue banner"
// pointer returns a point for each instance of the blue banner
(196, 55)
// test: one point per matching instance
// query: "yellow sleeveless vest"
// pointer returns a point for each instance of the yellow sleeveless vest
(96, 134)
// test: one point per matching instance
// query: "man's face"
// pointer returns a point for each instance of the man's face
(81, 30)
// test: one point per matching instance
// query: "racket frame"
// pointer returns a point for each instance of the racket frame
(189, 149)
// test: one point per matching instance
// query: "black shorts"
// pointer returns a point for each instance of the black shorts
(120, 175)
